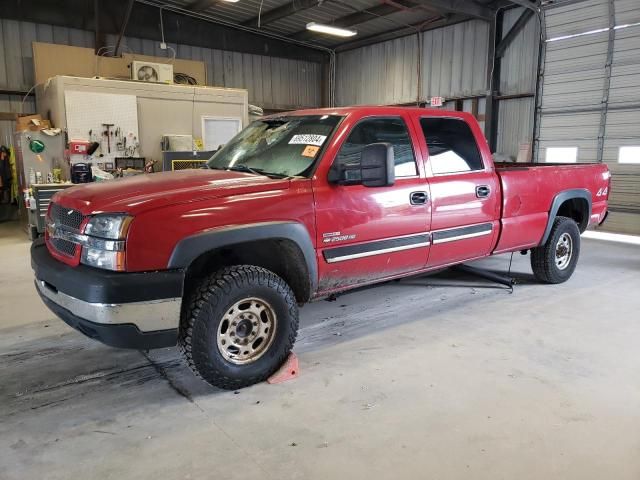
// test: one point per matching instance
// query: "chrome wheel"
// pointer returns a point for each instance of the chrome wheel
(564, 251)
(246, 331)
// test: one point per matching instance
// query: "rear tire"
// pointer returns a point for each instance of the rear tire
(239, 326)
(555, 261)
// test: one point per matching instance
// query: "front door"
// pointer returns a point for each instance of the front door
(366, 234)
(465, 192)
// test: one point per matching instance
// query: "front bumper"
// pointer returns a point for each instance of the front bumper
(127, 310)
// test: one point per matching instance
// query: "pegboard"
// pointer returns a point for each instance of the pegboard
(88, 111)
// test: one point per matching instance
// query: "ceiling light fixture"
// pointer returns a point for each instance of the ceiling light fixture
(329, 30)
(231, 1)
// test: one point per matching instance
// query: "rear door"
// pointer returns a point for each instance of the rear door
(465, 190)
(365, 234)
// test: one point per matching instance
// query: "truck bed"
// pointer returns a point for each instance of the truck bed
(529, 189)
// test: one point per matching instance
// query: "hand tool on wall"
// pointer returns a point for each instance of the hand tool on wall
(119, 141)
(108, 133)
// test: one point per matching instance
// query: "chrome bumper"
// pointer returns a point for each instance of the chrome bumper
(148, 316)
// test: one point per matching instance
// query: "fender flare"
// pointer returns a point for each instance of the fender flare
(558, 200)
(190, 248)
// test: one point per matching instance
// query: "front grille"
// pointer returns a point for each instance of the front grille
(63, 246)
(69, 218)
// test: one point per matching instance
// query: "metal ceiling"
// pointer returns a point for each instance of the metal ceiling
(370, 18)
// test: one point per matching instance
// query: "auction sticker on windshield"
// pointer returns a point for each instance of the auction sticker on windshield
(310, 151)
(307, 139)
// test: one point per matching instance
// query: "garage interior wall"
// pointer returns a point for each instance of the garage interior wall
(591, 95)
(453, 64)
(273, 83)
(518, 76)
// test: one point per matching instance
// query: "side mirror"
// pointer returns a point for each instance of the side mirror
(376, 168)
(377, 165)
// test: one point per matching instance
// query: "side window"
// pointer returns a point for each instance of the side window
(390, 130)
(452, 146)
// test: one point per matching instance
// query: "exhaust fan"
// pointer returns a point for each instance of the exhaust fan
(152, 72)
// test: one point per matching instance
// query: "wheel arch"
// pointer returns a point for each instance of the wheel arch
(575, 204)
(285, 248)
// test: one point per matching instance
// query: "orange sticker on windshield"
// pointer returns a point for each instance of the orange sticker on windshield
(310, 151)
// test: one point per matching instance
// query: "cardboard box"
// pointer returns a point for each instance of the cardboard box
(31, 122)
(26, 122)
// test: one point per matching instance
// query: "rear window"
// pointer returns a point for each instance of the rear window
(452, 146)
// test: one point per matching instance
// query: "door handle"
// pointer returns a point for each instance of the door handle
(418, 198)
(482, 191)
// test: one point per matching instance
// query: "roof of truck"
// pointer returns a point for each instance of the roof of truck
(370, 110)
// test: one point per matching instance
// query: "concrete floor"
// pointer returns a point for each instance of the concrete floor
(440, 377)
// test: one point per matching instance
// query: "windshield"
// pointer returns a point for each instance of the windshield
(283, 146)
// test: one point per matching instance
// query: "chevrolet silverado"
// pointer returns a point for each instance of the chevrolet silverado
(296, 207)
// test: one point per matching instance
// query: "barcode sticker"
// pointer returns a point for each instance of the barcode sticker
(307, 139)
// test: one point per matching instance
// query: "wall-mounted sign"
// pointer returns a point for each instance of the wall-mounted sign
(436, 101)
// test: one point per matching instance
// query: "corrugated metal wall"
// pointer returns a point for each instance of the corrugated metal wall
(574, 75)
(453, 64)
(623, 119)
(591, 95)
(16, 63)
(273, 83)
(13, 103)
(515, 125)
(519, 62)
(518, 76)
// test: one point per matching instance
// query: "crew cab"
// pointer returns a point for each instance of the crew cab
(296, 207)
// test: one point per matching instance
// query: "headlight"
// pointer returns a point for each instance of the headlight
(104, 245)
(108, 226)
(110, 260)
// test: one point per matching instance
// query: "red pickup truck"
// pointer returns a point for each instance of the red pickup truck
(294, 208)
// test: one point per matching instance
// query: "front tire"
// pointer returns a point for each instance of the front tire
(239, 326)
(555, 261)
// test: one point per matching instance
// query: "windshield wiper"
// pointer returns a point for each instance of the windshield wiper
(241, 167)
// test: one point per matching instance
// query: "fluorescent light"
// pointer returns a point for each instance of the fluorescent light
(329, 30)
(231, 1)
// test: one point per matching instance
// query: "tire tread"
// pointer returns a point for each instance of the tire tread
(543, 257)
(210, 293)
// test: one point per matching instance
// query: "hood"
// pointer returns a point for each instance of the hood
(150, 191)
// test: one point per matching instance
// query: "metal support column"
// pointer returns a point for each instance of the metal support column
(537, 115)
(100, 41)
(604, 106)
(493, 82)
